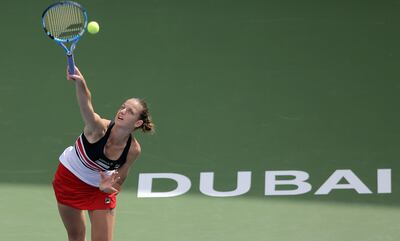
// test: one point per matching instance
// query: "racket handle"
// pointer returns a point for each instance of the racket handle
(71, 64)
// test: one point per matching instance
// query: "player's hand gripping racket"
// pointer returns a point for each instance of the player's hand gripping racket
(65, 22)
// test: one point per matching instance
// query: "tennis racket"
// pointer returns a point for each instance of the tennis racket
(65, 22)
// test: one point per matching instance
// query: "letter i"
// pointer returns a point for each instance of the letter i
(384, 180)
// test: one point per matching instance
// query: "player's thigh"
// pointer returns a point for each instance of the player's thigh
(102, 223)
(74, 221)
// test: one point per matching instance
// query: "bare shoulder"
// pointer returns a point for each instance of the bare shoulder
(134, 150)
(135, 146)
(133, 154)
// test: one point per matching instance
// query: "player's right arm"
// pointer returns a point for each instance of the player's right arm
(94, 124)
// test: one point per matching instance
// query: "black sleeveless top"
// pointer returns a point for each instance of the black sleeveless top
(95, 151)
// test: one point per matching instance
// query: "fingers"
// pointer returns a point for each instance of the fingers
(107, 182)
(75, 76)
(103, 176)
(72, 76)
(113, 177)
(109, 190)
(77, 71)
(113, 189)
(116, 179)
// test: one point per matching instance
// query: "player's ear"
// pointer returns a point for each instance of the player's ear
(138, 123)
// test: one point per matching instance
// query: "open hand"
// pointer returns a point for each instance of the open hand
(107, 182)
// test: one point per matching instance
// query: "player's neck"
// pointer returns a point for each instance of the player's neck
(119, 136)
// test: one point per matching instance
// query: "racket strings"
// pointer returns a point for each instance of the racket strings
(64, 21)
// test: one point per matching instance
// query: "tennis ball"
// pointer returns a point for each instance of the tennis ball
(93, 27)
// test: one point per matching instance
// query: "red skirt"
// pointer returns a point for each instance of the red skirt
(73, 192)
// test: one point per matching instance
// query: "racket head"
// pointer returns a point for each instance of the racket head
(65, 21)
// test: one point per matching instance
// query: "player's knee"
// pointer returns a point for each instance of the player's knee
(76, 235)
(101, 238)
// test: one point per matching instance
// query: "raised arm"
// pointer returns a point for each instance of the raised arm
(93, 122)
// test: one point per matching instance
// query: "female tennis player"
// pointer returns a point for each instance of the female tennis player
(90, 173)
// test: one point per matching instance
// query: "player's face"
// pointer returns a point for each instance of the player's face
(129, 114)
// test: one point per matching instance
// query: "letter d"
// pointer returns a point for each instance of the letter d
(146, 182)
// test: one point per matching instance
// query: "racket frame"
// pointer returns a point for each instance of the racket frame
(62, 42)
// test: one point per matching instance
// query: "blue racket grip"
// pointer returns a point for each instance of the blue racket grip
(71, 64)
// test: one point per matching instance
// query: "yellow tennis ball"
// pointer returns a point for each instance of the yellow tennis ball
(93, 27)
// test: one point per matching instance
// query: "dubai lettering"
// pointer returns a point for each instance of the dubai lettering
(297, 180)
